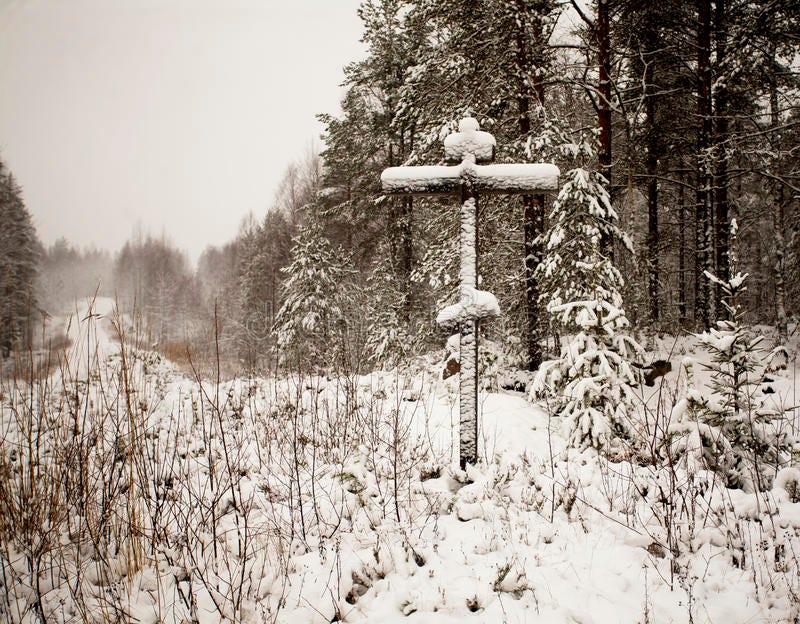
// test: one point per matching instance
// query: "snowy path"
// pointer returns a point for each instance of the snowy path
(88, 329)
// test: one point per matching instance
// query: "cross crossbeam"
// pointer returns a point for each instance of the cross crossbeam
(474, 149)
(527, 178)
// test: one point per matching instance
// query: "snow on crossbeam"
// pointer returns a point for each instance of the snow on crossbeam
(444, 180)
(516, 178)
(424, 180)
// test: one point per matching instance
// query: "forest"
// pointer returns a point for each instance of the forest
(272, 436)
(689, 111)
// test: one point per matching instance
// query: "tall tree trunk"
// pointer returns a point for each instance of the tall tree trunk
(703, 182)
(391, 217)
(651, 161)
(533, 206)
(780, 268)
(778, 222)
(401, 230)
(406, 232)
(603, 37)
(406, 222)
(682, 256)
(721, 217)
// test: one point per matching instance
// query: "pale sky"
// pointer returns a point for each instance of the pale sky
(177, 115)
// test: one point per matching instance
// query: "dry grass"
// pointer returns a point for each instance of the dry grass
(103, 485)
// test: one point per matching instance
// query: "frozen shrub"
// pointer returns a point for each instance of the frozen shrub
(788, 479)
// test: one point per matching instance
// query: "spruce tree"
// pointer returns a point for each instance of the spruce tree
(264, 252)
(20, 251)
(731, 430)
(590, 385)
(310, 325)
(388, 341)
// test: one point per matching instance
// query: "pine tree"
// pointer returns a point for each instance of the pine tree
(20, 251)
(264, 252)
(590, 385)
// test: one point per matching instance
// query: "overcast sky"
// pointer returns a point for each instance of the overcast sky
(176, 115)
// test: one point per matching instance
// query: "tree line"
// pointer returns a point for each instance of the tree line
(689, 109)
(693, 107)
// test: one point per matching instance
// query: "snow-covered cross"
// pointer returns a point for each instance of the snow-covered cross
(472, 149)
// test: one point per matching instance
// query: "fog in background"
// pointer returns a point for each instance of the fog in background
(171, 116)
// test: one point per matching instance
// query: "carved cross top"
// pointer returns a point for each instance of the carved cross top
(473, 149)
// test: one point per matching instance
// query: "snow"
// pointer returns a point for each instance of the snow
(468, 349)
(425, 179)
(468, 392)
(391, 529)
(788, 480)
(89, 331)
(452, 343)
(468, 271)
(516, 178)
(475, 304)
(469, 140)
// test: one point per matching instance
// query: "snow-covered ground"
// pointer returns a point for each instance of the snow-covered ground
(89, 330)
(318, 500)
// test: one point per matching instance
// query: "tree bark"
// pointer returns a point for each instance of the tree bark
(781, 319)
(533, 206)
(703, 178)
(406, 223)
(401, 244)
(720, 152)
(603, 38)
(651, 162)
(778, 222)
(682, 257)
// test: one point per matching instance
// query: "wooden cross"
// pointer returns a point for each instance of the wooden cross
(472, 149)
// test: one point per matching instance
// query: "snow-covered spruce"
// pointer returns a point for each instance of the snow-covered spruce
(590, 384)
(388, 341)
(731, 430)
(308, 324)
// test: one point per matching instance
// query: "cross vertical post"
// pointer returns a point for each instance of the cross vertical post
(473, 148)
(468, 329)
